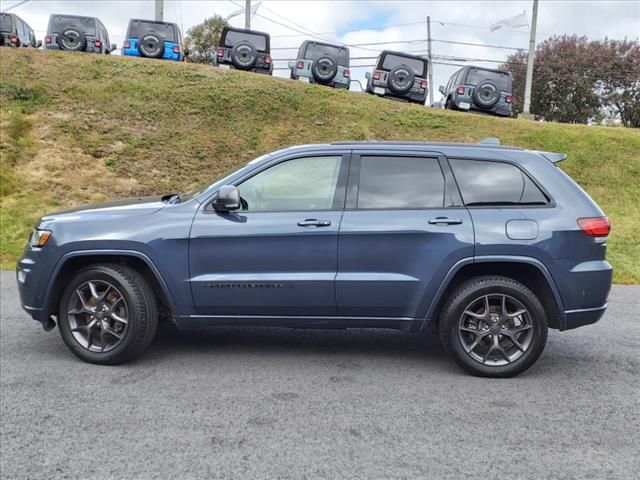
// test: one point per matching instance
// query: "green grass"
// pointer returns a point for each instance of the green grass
(79, 128)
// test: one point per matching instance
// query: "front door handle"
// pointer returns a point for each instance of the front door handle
(445, 221)
(312, 222)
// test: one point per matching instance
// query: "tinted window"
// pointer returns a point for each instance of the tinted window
(318, 50)
(400, 182)
(60, 23)
(495, 183)
(477, 75)
(140, 28)
(391, 61)
(233, 37)
(300, 184)
(5, 23)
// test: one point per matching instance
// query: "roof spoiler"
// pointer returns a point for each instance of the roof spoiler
(489, 141)
(554, 157)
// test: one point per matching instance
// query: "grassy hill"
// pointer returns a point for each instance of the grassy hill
(79, 128)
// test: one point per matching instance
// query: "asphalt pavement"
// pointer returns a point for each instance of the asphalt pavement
(250, 403)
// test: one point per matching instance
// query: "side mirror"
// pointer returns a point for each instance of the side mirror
(228, 199)
(441, 89)
(291, 64)
(113, 47)
(367, 75)
(39, 44)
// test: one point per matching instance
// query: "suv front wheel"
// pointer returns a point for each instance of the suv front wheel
(494, 327)
(107, 314)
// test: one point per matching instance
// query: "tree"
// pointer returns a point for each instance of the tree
(202, 40)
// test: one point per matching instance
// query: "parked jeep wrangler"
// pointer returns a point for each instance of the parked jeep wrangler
(491, 245)
(77, 34)
(480, 89)
(322, 63)
(15, 32)
(399, 76)
(245, 50)
(151, 39)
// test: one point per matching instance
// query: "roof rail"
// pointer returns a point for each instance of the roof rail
(489, 141)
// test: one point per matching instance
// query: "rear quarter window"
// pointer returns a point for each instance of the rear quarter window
(495, 183)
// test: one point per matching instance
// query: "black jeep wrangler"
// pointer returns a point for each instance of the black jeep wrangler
(15, 32)
(245, 50)
(399, 76)
(479, 89)
(322, 63)
(75, 33)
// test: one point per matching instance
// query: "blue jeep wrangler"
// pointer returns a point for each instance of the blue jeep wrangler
(147, 38)
(491, 245)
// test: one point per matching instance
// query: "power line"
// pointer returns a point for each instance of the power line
(14, 6)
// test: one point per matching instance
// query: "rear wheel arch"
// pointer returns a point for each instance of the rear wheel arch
(70, 265)
(531, 273)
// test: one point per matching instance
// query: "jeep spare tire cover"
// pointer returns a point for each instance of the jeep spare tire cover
(72, 40)
(324, 69)
(486, 94)
(400, 79)
(244, 55)
(151, 45)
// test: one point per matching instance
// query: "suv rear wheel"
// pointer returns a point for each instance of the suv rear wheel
(494, 327)
(107, 314)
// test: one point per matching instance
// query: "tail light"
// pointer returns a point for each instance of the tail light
(509, 99)
(346, 73)
(300, 64)
(220, 52)
(595, 226)
(126, 44)
(267, 59)
(47, 39)
(376, 75)
(176, 49)
(423, 84)
(98, 44)
(14, 39)
(460, 90)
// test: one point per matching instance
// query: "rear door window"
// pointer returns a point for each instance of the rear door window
(485, 183)
(60, 23)
(315, 51)
(391, 61)
(396, 182)
(139, 28)
(501, 79)
(233, 37)
(6, 23)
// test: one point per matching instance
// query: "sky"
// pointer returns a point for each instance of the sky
(366, 22)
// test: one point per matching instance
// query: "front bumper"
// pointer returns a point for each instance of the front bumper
(32, 275)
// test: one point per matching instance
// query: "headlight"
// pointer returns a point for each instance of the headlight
(39, 238)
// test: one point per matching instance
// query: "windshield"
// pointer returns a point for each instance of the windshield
(501, 79)
(139, 28)
(59, 23)
(5, 23)
(233, 37)
(315, 51)
(205, 185)
(391, 61)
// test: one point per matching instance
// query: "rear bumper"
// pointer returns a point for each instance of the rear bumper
(582, 317)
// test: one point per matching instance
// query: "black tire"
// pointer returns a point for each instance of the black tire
(139, 301)
(448, 105)
(532, 340)
(324, 70)
(151, 45)
(244, 55)
(72, 40)
(400, 79)
(486, 94)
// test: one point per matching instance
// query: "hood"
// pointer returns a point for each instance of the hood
(116, 208)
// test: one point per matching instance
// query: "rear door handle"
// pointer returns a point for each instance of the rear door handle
(445, 221)
(312, 222)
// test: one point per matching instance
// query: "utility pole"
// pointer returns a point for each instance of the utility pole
(247, 14)
(159, 10)
(430, 66)
(530, 58)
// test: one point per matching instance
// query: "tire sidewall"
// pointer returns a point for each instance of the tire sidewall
(476, 94)
(235, 55)
(160, 41)
(82, 41)
(127, 343)
(453, 312)
(317, 75)
(391, 79)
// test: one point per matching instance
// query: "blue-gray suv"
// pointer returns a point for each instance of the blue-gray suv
(491, 245)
